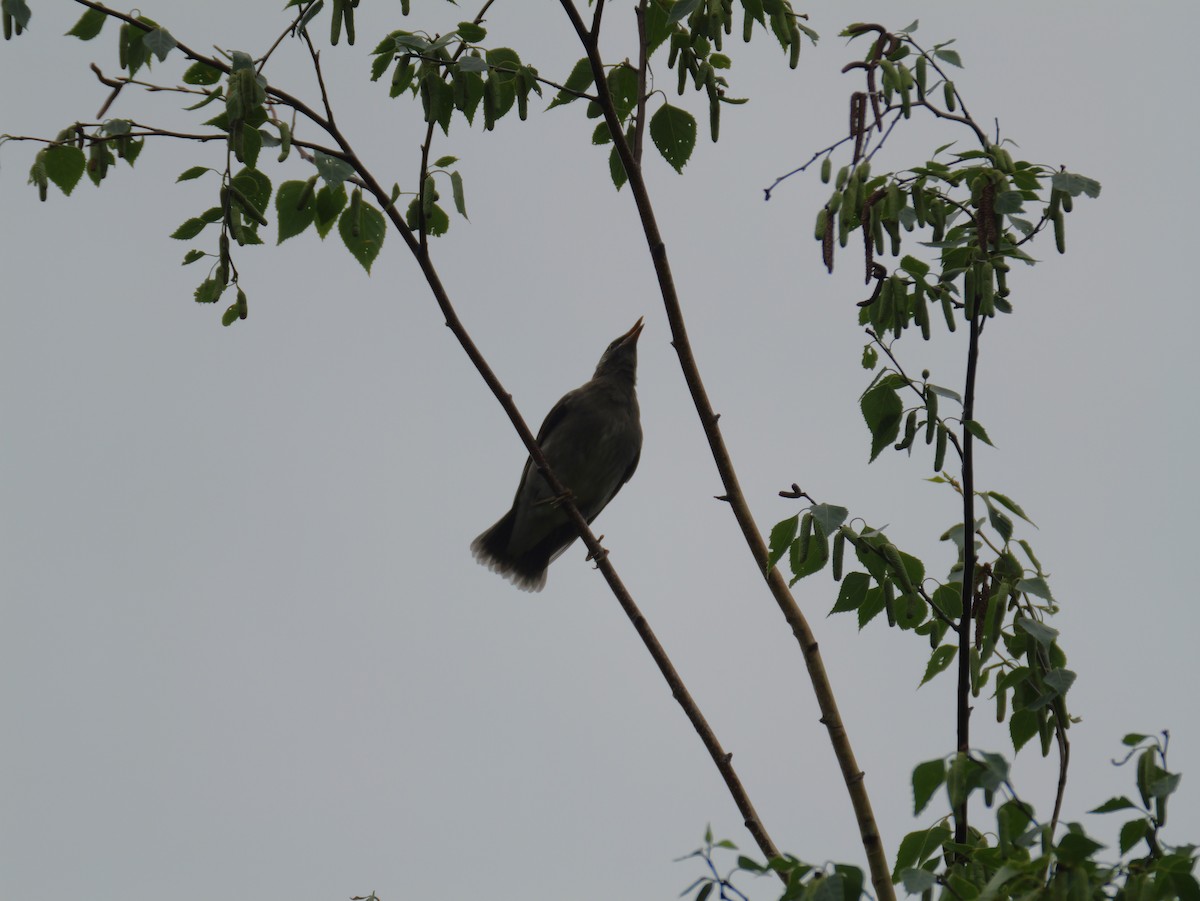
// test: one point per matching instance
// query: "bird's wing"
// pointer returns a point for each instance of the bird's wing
(625, 477)
(633, 464)
(556, 415)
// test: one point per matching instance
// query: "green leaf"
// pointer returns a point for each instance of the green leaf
(882, 410)
(941, 658)
(1075, 847)
(160, 42)
(194, 172)
(89, 25)
(616, 169)
(1075, 185)
(293, 219)
(468, 90)
(441, 100)
(255, 186)
(1022, 726)
(133, 149)
(783, 533)
(818, 556)
(436, 222)
(871, 606)
(852, 593)
(472, 64)
(210, 291)
(830, 888)
(18, 10)
(443, 161)
(330, 201)
(64, 166)
(917, 881)
(915, 267)
(1036, 586)
(1133, 832)
(133, 51)
(471, 32)
(364, 246)
(1185, 885)
(1060, 680)
(1009, 202)
(978, 431)
(379, 65)
(333, 170)
(829, 516)
(673, 131)
(1166, 785)
(949, 56)
(456, 188)
(622, 85)
(657, 29)
(1001, 523)
(1114, 804)
(504, 63)
(1011, 505)
(579, 81)
(917, 846)
(192, 255)
(948, 599)
(948, 393)
(681, 10)
(201, 74)
(1012, 820)
(1040, 632)
(189, 230)
(251, 146)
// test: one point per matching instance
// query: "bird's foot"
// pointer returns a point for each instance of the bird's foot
(603, 551)
(558, 499)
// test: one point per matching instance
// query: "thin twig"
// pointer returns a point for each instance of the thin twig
(639, 128)
(291, 29)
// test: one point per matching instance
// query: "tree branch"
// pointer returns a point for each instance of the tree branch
(852, 775)
(968, 589)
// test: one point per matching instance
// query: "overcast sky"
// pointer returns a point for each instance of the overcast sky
(245, 650)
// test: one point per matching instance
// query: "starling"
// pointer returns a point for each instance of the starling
(591, 439)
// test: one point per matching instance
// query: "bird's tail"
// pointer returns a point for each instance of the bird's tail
(492, 549)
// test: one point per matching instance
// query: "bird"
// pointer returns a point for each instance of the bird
(592, 441)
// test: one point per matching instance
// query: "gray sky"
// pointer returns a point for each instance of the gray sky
(245, 648)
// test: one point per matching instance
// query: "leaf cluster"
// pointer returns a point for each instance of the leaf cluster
(1022, 858)
(802, 881)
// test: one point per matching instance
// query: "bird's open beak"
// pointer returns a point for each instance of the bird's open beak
(634, 332)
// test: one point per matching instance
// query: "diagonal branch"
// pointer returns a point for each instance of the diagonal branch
(853, 776)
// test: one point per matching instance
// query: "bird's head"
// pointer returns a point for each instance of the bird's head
(620, 358)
